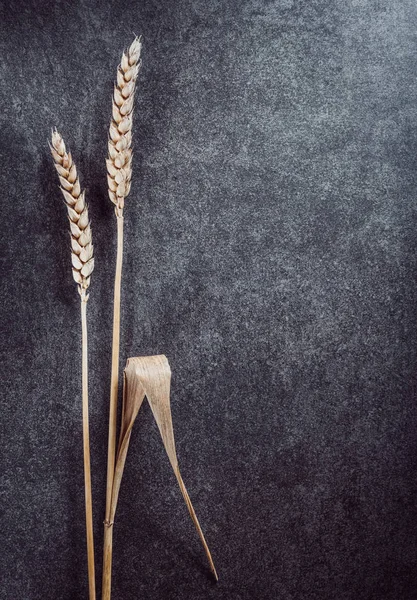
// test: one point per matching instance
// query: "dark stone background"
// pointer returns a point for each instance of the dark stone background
(270, 253)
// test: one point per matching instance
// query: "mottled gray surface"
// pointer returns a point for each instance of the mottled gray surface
(271, 254)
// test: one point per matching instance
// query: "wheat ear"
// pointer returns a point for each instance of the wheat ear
(119, 173)
(82, 267)
(81, 240)
(119, 161)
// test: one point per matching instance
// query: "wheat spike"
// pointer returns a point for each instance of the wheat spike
(81, 240)
(119, 161)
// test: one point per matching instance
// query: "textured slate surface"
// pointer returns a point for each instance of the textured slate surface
(270, 253)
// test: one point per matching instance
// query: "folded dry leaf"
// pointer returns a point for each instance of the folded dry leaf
(150, 376)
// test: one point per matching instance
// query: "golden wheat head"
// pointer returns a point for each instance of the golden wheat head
(119, 161)
(81, 240)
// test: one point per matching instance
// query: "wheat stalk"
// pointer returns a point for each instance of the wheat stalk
(119, 173)
(82, 267)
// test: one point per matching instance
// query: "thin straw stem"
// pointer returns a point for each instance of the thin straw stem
(86, 445)
(107, 560)
(196, 522)
(114, 387)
